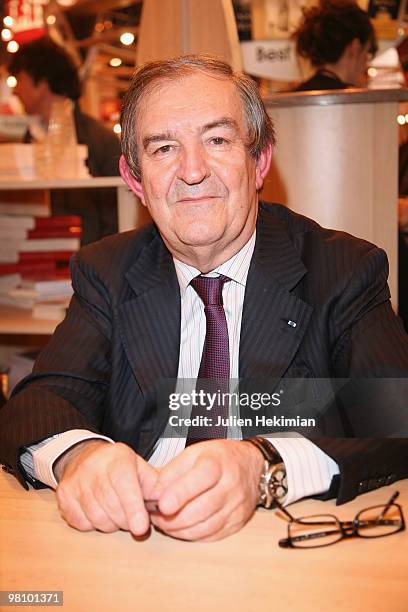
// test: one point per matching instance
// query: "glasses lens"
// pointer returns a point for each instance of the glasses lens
(379, 521)
(314, 531)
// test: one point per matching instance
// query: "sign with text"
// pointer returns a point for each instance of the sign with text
(28, 22)
(271, 59)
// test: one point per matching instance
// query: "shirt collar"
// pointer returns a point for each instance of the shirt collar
(236, 268)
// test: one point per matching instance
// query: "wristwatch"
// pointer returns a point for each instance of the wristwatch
(273, 483)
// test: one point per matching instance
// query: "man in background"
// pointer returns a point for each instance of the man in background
(46, 73)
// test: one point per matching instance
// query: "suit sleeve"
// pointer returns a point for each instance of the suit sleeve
(372, 353)
(70, 378)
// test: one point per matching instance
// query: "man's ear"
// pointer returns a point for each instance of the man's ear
(134, 184)
(263, 163)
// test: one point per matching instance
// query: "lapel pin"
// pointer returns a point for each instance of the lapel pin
(292, 323)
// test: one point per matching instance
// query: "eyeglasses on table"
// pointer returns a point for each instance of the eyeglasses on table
(320, 530)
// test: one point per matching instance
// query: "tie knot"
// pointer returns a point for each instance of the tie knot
(209, 288)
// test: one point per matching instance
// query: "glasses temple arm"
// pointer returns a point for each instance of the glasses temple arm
(390, 502)
(285, 512)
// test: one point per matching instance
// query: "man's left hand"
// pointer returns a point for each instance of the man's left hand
(209, 491)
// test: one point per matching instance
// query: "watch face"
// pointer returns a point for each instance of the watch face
(279, 482)
(273, 484)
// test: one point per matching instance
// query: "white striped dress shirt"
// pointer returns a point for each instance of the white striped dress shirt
(309, 470)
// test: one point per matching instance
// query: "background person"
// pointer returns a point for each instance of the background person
(338, 39)
(46, 73)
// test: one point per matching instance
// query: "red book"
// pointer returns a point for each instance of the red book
(73, 231)
(63, 272)
(46, 256)
(57, 221)
(28, 268)
(60, 273)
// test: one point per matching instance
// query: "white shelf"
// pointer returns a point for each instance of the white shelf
(99, 181)
(130, 214)
(19, 321)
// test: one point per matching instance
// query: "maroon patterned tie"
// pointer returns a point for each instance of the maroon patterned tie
(214, 372)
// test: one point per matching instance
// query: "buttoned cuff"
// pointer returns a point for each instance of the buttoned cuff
(309, 470)
(45, 456)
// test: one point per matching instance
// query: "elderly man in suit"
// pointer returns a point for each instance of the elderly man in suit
(219, 287)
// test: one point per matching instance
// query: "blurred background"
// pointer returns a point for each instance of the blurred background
(103, 36)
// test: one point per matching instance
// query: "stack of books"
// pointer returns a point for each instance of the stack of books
(34, 255)
(46, 299)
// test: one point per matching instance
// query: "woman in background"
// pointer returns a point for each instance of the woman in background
(338, 39)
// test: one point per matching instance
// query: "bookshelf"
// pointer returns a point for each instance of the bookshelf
(131, 214)
(130, 211)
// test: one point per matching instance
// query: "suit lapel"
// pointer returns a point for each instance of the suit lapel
(150, 320)
(274, 320)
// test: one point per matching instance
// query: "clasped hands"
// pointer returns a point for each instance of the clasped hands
(207, 492)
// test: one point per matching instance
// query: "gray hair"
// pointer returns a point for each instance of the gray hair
(259, 125)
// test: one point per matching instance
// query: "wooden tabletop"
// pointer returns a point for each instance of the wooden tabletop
(246, 572)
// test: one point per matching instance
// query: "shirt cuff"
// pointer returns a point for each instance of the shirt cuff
(309, 470)
(45, 454)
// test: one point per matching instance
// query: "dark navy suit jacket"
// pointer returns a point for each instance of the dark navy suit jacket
(121, 337)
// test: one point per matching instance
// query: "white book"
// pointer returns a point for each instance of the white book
(12, 127)
(8, 300)
(48, 287)
(30, 296)
(8, 254)
(13, 221)
(34, 209)
(12, 233)
(41, 244)
(9, 281)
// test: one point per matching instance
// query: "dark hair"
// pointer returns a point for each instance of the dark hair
(259, 125)
(43, 59)
(326, 31)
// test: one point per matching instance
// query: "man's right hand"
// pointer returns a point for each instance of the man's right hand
(103, 485)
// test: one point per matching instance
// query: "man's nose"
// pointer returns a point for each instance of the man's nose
(193, 168)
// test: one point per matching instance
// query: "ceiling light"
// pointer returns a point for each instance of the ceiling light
(127, 38)
(117, 129)
(51, 19)
(13, 46)
(115, 61)
(6, 34)
(66, 2)
(11, 81)
(8, 21)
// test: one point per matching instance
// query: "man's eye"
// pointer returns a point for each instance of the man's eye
(218, 140)
(163, 149)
